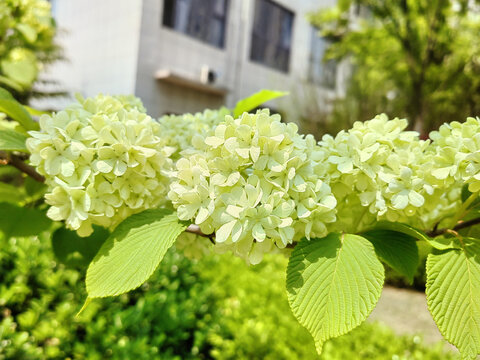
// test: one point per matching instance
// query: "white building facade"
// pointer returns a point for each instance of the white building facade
(186, 55)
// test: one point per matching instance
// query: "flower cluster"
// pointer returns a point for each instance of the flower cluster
(457, 153)
(103, 160)
(382, 167)
(181, 130)
(252, 182)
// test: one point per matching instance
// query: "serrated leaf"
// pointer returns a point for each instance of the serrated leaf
(453, 293)
(333, 284)
(12, 141)
(20, 221)
(397, 249)
(75, 251)
(255, 100)
(403, 228)
(132, 252)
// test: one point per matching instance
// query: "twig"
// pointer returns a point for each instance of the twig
(459, 226)
(15, 161)
(195, 229)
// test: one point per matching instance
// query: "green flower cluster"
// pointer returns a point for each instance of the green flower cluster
(181, 130)
(385, 169)
(252, 182)
(457, 153)
(103, 160)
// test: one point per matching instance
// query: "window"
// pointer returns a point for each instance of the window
(202, 19)
(272, 35)
(321, 72)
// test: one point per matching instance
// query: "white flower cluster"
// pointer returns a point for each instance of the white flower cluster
(382, 167)
(457, 153)
(103, 160)
(252, 182)
(181, 130)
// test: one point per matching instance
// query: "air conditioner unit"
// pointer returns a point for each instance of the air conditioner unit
(207, 75)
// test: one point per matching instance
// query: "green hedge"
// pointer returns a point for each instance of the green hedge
(214, 309)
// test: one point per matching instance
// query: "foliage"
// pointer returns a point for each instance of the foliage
(27, 32)
(333, 307)
(201, 310)
(132, 251)
(170, 315)
(254, 185)
(418, 59)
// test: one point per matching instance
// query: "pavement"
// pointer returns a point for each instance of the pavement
(405, 311)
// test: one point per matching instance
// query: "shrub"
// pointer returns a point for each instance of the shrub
(213, 309)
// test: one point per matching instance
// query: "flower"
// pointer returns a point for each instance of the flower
(103, 159)
(181, 130)
(251, 181)
(457, 153)
(380, 166)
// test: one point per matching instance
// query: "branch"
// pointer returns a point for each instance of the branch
(459, 226)
(195, 229)
(15, 161)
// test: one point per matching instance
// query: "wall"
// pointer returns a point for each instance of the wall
(163, 48)
(100, 40)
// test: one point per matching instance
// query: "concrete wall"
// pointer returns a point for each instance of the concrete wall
(100, 40)
(117, 46)
(164, 48)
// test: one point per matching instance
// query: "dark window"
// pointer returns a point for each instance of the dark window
(203, 19)
(272, 35)
(321, 72)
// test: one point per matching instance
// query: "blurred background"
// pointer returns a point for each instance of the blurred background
(342, 61)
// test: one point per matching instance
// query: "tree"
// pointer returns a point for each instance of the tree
(413, 58)
(27, 32)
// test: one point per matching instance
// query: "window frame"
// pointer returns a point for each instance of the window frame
(263, 37)
(167, 20)
(322, 79)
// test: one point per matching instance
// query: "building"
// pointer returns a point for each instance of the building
(186, 55)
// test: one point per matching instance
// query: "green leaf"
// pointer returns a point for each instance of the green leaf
(12, 140)
(445, 243)
(36, 112)
(255, 100)
(397, 249)
(10, 83)
(403, 228)
(333, 284)
(34, 189)
(16, 111)
(11, 194)
(20, 65)
(75, 251)
(132, 252)
(4, 94)
(19, 221)
(453, 293)
(28, 32)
